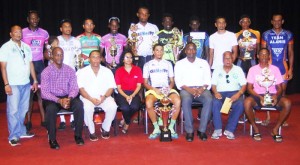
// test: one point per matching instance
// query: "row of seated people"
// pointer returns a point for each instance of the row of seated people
(96, 83)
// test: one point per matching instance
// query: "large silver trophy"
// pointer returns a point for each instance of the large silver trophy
(113, 50)
(165, 111)
(267, 81)
(78, 59)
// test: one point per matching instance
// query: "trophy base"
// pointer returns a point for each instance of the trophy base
(165, 136)
(247, 58)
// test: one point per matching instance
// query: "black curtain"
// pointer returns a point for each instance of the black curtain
(52, 11)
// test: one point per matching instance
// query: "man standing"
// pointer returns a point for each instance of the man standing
(146, 35)
(59, 90)
(16, 67)
(36, 38)
(228, 81)
(89, 40)
(193, 79)
(96, 84)
(221, 41)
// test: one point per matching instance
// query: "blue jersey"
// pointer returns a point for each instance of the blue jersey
(200, 44)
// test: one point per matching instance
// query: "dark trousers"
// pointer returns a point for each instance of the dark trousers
(127, 109)
(52, 108)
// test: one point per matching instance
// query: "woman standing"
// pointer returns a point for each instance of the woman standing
(128, 79)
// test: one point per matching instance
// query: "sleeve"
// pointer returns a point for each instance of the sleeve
(73, 90)
(233, 40)
(250, 76)
(178, 75)
(214, 77)
(46, 37)
(124, 41)
(207, 77)
(117, 77)
(146, 70)
(170, 68)
(3, 54)
(206, 42)
(241, 75)
(80, 80)
(211, 45)
(140, 75)
(111, 80)
(46, 87)
(278, 75)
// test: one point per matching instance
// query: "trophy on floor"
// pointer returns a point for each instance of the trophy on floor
(134, 40)
(78, 59)
(164, 111)
(266, 81)
(113, 50)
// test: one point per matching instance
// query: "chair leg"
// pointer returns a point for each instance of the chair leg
(146, 122)
(181, 123)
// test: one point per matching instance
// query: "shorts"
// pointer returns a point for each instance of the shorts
(39, 66)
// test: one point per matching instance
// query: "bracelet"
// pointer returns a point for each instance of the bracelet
(6, 84)
(35, 82)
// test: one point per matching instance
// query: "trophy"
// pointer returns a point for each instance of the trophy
(134, 40)
(266, 81)
(113, 51)
(176, 42)
(247, 43)
(78, 59)
(164, 112)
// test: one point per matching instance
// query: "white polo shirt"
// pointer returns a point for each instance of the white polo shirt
(17, 67)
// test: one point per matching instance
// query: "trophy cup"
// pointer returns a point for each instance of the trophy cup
(113, 51)
(78, 59)
(246, 42)
(133, 41)
(266, 81)
(175, 42)
(165, 110)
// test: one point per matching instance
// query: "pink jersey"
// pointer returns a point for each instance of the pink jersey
(255, 76)
(120, 40)
(36, 40)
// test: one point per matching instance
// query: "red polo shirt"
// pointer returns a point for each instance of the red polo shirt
(128, 81)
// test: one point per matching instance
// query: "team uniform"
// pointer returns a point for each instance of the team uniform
(88, 44)
(200, 43)
(120, 41)
(278, 46)
(247, 46)
(71, 47)
(221, 43)
(36, 40)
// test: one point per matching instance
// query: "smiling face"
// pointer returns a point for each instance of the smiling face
(245, 23)
(190, 51)
(33, 20)
(143, 15)
(167, 23)
(263, 57)
(277, 22)
(128, 59)
(194, 25)
(113, 26)
(66, 28)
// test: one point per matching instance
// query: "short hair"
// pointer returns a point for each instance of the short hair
(64, 21)
(143, 7)
(263, 49)
(219, 17)
(244, 16)
(275, 14)
(98, 51)
(156, 45)
(32, 12)
(167, 15)
(87, 19)
(194, 18)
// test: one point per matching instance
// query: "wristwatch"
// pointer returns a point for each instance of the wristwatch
(204, 88)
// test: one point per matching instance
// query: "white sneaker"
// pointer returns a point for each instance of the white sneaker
(229, 135)
(217, 134)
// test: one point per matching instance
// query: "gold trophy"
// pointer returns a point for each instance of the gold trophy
(134, 40)
(113, 50)
(176, 42)
(266, 80)
(78, 59)
(165, 111)
(247, 42)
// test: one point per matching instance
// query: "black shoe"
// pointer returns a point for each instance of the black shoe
(27, 135)
(189, 137)
(62, 126)
(93, 137)
(104, 134)
(73, 124)
(28, 126)
(79, 140)
(53, 144)
(202, 135)
(44, 124)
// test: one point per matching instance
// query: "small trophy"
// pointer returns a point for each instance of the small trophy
(266, 81)
(165, 135)
(133, 41)
(113, 51)
(78, 59)
(246, 42)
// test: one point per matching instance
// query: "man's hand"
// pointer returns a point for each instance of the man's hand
(96, 101)
(34, 87)
(218, 96)
(235, 97)
(8, 90)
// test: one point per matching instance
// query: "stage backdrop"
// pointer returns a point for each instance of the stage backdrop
(52, 11)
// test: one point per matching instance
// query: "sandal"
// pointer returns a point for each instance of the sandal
(277, 138)
(125, 130)
(122, 123)
(265, 122)
(285, 124)
(256, 136)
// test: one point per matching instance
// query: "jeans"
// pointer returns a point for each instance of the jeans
(17, 107)
(236, 112)
(186, 103)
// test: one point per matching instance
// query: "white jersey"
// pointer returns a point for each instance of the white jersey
(146, 37)
(70, 47)
(221, 43)
(158, 72)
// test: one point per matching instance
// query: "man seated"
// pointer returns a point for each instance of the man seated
(257, 74)
(96, 84)
(158, 73)
(228, 81)
(59, 90)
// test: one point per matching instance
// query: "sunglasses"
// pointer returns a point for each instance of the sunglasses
(227, 76)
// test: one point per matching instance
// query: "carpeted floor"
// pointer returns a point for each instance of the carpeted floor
(135, 148)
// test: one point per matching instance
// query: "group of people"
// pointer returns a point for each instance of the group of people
(84, 71)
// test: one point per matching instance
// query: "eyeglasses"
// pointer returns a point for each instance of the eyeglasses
(227, 76)
(114, 18)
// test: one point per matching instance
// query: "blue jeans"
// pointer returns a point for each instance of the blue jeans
(237, 110)
(17, 107)
(186, 103)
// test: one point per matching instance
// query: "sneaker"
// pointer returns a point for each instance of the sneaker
(174, 135)
(242, 121)
(258, 121)
(14, 142)
(229, 135)
(97, 119)
(216, 134)
(27, 135)
(104, 134)
(93, 137)
(72, 124)
(62, 126)
(28, 126)
(160, 122)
